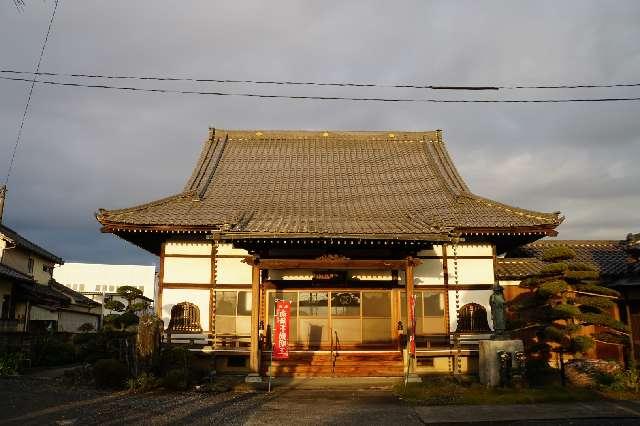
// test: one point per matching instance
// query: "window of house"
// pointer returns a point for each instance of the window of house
(81, 287)
(30, 263)
(112, 288)
(430, 317)
(233, 313)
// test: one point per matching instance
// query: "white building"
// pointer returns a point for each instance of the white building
(98, 281)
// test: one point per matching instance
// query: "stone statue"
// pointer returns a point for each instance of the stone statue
(498, 314)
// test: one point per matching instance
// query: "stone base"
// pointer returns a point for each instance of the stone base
(253, 378)
(489, 367)
(414, 378)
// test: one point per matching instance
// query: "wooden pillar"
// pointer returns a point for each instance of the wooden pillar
(158, 302)
(254, 359)
(409, 326)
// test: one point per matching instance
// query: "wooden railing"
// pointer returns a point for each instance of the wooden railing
(232, 342)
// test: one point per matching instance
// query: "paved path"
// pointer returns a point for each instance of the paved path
(29, 401)
(600, 412)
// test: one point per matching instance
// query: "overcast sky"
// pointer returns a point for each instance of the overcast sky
(83, 149)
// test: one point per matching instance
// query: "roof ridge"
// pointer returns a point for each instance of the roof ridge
(448, 172)
(209, 147)
(331, 134)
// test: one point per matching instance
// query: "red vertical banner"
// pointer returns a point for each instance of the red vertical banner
(412, 321)
(281, 329)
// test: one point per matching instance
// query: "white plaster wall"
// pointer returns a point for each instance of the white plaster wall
(228, 250)
(94, 274)
(435, 251)
(39, 275)
(429, 272)
(480, 297)
(188, 247)
(231, 270)
(18, 259)
(471, 250)
(71, 321)
(471, 271)
(173, 296)
(41, 314)
(195, 270)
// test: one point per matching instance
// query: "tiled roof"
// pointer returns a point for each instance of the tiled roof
(22, 242)
(517, 268)
(609, 256)
(53, 292)
(77, 297)
(301, 183)
(8, 272)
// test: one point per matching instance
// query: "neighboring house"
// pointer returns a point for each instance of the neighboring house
(616, 260)
(349, 227)
(100, 282)
(30, 300)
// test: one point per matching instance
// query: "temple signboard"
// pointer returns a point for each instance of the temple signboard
(412, 322)
(281, 329)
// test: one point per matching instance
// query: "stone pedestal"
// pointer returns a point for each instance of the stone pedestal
(253, 378)
(489, 367)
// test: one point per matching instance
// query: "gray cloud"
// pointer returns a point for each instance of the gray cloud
(88, 148)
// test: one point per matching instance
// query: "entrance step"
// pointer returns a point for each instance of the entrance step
(355, 364)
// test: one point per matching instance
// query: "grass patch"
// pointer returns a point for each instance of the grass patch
(446, 391)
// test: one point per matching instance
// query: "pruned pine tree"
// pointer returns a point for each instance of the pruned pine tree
(127, 313)
(565, 297)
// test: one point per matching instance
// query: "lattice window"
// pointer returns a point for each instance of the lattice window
(185, 318)
(472, 319)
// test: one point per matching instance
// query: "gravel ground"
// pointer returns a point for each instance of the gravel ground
(37, 401)
(31, 401)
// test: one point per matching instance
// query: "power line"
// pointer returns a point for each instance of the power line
(322, 98)
(316, 83)
(33, 83)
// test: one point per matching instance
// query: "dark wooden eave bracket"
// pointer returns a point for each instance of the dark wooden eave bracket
(332, 264)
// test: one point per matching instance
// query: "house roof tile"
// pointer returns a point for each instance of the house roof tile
(24, 243)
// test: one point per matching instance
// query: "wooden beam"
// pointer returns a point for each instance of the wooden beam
(254, 358)
(188, 285)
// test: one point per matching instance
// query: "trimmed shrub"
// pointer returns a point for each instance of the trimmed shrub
(50, 351)
(558, 253)
(176, 379)
(110, 373)
(551, 288)
(554, 269)
(581, 275)
(10, 363)
(581, 344)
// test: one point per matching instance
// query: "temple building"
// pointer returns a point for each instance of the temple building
(347, 226)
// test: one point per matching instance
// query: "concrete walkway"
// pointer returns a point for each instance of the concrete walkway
(601, 410)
